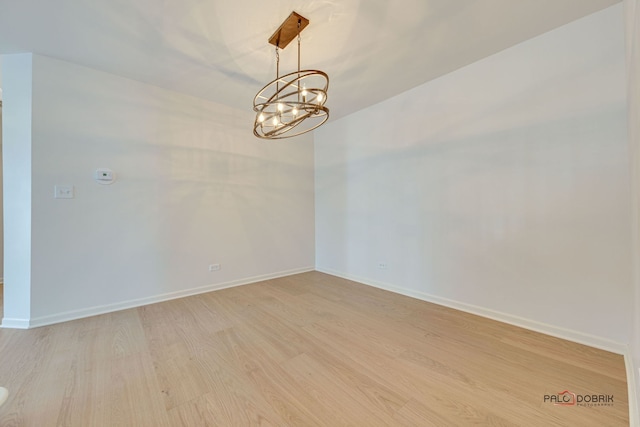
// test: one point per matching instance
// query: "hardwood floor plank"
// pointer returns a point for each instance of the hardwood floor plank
(304, 350)
(214, 409)
(347, 406)
(289, 399)
(414, 414)
(131, 379)
(233, 400)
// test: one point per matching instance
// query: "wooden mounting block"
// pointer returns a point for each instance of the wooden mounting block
(288, 30)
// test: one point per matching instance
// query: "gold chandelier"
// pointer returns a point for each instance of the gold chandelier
(291, 104)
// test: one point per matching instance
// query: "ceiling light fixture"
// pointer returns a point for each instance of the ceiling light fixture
(292, 104)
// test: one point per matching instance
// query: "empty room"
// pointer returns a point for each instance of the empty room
(320, 213)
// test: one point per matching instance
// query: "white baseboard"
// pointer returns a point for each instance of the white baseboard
(109, 308)
(15, 323)
(556, 331)
(632, 386)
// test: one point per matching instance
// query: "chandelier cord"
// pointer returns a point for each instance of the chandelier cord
(298, 47)
(299, 58)
(277, 67)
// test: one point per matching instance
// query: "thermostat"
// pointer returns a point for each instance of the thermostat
(104, 176)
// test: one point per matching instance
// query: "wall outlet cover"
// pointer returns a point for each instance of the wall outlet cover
(63, 192)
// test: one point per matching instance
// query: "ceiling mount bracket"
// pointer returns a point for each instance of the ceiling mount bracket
(288, 30)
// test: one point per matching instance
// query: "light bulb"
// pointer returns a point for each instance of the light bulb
(304, 94)
(275, 121)
(280, 107)
(294, 111)
(320, 97)
(261, 118)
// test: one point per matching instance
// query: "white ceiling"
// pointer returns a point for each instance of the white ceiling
(218, 50)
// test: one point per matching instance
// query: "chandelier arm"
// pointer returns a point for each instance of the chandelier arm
(283, 132)
(279, 95)
(304, 73)
(289, 126)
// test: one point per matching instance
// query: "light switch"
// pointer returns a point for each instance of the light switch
(63, 192)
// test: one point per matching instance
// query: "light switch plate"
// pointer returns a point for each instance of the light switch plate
(63, 192)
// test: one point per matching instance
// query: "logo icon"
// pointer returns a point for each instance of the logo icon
(566, 398)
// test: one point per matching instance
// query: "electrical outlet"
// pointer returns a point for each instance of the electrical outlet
(214, 267)
(382, 265)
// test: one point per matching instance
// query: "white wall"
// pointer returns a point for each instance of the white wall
(1, 208)
(16, 157)
(1, 197)
(632, 15)
(194, 187)
(501, 188)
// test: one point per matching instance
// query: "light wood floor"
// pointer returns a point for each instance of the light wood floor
(306, 350)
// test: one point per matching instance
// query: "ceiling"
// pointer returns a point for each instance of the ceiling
(218, 50)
